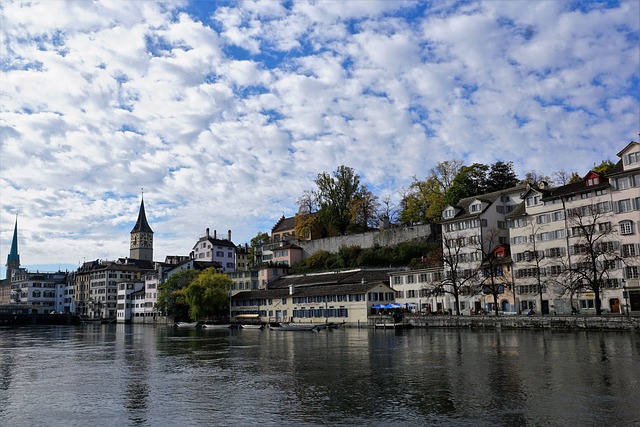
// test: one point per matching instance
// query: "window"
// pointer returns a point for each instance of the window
(626, 227)
(604, 227)
(631, 272)
(411, 278)
(601, 192)
(622, 183)
(632, 158)
(585, 195)
(533, 200)
(593, 181)
(624, 205)
(449, 213)
(476, 207)
(629, 250)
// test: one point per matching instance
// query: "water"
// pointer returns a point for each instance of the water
(120, 375)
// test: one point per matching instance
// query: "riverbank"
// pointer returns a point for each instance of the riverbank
(597, 323)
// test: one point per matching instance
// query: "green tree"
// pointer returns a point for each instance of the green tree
(501, 176)
(425, 200)
(171, 300)
(470, 181)
(604, 167)
(207, 295)
(334, 196)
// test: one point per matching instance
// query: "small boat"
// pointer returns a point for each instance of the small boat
(187, 324)
(294, 327)
(250, 326)
(393, 325)
(216, 326)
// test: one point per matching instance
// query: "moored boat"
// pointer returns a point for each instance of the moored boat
(294, 327)
(216, 326)
(187, 324)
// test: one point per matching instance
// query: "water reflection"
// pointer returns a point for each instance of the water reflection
(145, 375)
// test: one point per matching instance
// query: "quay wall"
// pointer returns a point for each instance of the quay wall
(613, 323)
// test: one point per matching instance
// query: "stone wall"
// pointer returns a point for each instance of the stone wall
(611, 322)
(388, 237)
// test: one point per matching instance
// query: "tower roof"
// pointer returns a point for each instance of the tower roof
(13, 259)
(141, 224)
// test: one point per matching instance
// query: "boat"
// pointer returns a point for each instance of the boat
(294, 327)
(250, 326)
(216, 326)
(393, 325)
(187, 324)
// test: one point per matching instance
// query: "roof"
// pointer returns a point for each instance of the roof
(216, 242)
(318, 289)
(142, 226)
(576, 187)
(337, 277)
(489, 198)
(284, 224)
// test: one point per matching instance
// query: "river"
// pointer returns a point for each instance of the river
(117, 375)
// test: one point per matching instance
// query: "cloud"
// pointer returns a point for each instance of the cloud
(225, 115)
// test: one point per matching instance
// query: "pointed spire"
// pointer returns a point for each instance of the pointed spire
(13, 259)
(141, 224)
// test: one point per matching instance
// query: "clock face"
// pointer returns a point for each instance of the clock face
(147, 241)
(134, 240)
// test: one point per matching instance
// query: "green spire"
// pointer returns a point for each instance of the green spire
(13, 259)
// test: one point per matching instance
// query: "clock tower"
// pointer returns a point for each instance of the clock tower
(141, 246)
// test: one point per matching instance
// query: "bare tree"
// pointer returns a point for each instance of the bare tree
(594, 251)
(457, 280)
(492, 278)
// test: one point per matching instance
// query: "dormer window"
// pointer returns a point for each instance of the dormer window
(533, 200)
(593, 181)
(449, 213)
(476, 207)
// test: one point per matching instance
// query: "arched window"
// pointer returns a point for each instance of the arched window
(626, 227)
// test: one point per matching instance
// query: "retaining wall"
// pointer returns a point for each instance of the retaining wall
(613, 322)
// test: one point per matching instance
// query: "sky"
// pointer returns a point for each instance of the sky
(225, 112)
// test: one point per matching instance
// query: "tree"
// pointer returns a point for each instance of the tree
(171, 300)
(425, 200)
(492, 280)
(535, 177)
(458, 281)
(594, 251)
(470, 181)
(501, 176)
(334, 196)
(388, 210)
(562, 177)
(207, 295)
(604, 167)
(364, 210)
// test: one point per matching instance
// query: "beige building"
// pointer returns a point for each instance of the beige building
(338, 297)
(558, 234)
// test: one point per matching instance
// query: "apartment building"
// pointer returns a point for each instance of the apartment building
(414, 289)
(471, 231)
(575, 247)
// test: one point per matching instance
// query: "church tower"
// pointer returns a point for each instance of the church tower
(13, 259)
(141, 246)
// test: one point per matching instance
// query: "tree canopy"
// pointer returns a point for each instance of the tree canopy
(171, 298)
(334, 196)
(207, 295)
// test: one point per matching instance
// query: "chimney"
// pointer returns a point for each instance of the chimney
(207, 233)
(291, 289)
(215, 234)
(229, 232)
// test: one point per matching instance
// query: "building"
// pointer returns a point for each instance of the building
(141, 246)
(471, 231)
(345, 296)
(414, 289)
(41, 291)
(575, 247)
(212, 249)
(13, 264)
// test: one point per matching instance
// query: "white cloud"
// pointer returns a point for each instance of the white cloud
(226, 119)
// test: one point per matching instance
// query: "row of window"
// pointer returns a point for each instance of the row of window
(320, 312)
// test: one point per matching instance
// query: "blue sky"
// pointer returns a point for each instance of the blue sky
(225, 112)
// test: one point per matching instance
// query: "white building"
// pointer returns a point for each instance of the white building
(471, 230)
(212, 249)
